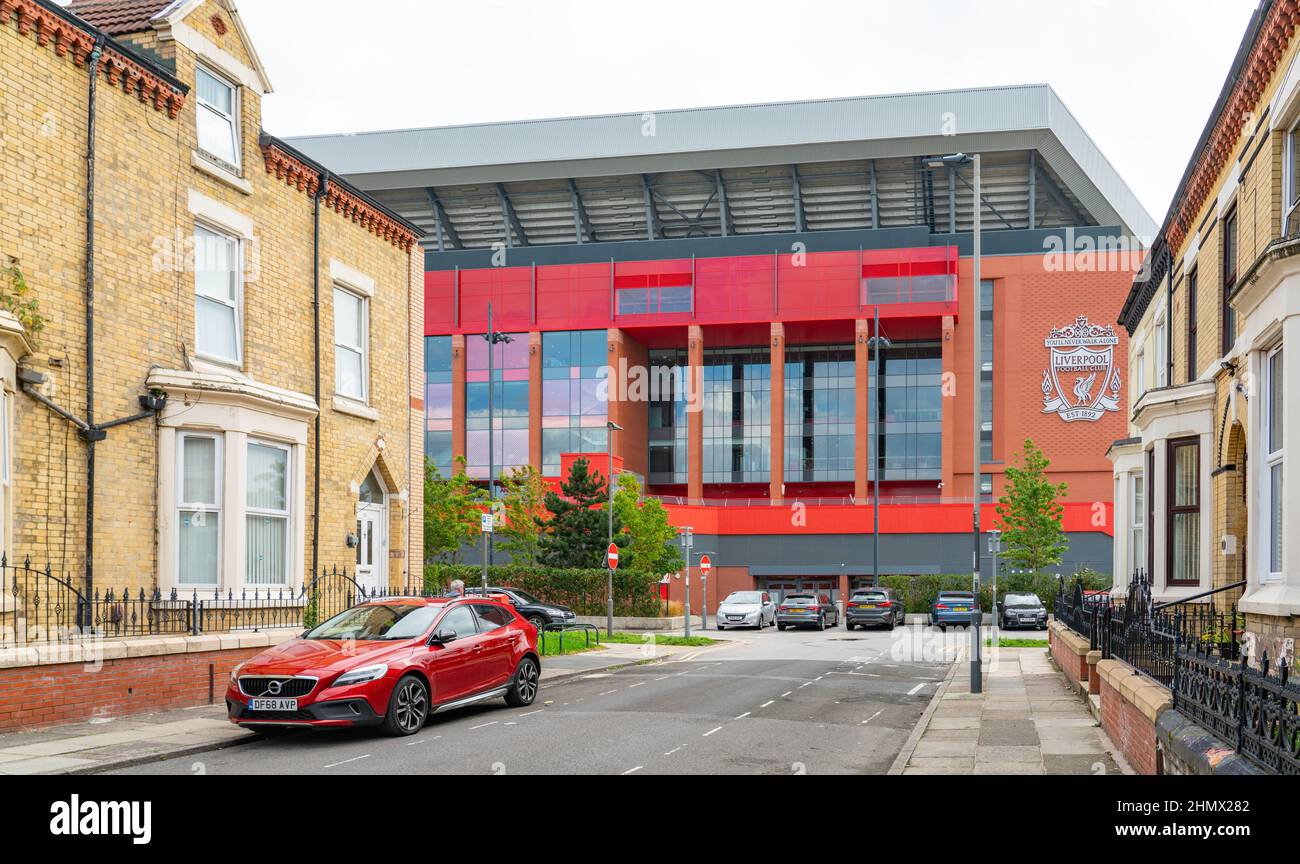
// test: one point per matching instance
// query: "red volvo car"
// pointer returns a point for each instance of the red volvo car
(390, 663)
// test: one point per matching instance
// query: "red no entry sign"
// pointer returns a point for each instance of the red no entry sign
(611, 557)
(706, 565)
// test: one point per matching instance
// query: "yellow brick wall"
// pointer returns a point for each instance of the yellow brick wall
(144, 307)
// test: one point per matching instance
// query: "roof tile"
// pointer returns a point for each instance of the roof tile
(117, 17)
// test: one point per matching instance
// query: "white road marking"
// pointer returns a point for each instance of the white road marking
(633, 770)
(711, 731)
(916, 689)
(662, 677)
(768, 702)
(672, 751)
(511, 723)
(803, 685)
(422, 740)
(482, 725)
(531, 713)
(873, 716)
(607, 692)
(346, 761)
(742, 716)
(638, 684)
(786, 693)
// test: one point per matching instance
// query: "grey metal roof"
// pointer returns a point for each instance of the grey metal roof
(497, 181)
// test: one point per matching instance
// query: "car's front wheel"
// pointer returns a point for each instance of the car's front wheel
(537, 621)
(408, 707)
(523, 687)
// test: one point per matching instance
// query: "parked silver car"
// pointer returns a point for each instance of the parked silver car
(746, 609)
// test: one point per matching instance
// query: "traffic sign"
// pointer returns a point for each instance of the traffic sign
(611, 557)
(486, 523)
(706, 564)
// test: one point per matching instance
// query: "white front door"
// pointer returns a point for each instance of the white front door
(372, 547)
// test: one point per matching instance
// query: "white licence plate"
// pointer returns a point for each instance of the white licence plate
(272, 704)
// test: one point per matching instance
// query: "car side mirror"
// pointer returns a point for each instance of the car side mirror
(443, 636)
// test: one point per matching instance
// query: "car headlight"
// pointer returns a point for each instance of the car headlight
(234, 672)
(362, 675)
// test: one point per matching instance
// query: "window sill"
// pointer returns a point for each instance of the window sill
(219, 172)
(1279, 599)
(344, 405)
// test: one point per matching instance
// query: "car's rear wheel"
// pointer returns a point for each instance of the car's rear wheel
(780, 627)
(523, 687)
(821, 621)
(848, 626)
(408, 707)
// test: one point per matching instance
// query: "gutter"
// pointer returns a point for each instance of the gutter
(315, 312)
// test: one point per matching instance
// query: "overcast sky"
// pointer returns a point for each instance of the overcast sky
(1140, 75)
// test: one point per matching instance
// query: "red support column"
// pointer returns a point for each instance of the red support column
(948, 405)
(862, 358)
(694, 413)
(776, 456)
(535, 400)
(457, 400)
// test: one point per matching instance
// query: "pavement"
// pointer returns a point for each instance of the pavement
(107, 743)
(798, 702)
(1027, 720)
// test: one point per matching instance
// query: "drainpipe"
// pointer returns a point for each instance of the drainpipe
(91, 435)
(315, 311)
(1169, 316)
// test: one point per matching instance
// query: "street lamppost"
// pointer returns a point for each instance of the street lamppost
(685, 532)
(873, 431)
(610, 428)
(951, 163)
(493, 339)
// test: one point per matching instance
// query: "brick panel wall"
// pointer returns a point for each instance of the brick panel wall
(1129, 728)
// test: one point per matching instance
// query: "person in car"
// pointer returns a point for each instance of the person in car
(456, 588)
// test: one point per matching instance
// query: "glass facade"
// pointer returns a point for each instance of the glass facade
(510, 404)
(737, 408)
(437, 402)
(574, 395)
(667, 424)
(819, 413)
(910, 413)
(986, 371)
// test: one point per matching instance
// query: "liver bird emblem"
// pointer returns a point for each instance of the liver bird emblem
(1083, 389)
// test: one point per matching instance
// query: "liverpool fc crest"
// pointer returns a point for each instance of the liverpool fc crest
(1081, 381)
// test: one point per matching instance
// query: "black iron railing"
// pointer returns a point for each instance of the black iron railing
(40, 607)
(1194, 649)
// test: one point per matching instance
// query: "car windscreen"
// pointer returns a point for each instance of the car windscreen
(525, 597)
(1022, 600)
(871, 596)
(955, 595)
(801, 600)
(377, 622)
(743, 597)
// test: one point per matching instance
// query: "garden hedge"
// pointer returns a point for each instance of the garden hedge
(583, 591)
(918, 592)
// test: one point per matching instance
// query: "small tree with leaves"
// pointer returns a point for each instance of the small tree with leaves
(1030, 512)
(647, 534)
(578, 520)
(452, 506)
(524, 497)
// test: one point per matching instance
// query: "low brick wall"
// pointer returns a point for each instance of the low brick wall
(1070, 651)
(1131, 706)
(68, 683)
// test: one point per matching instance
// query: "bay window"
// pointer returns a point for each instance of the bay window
(1274, 396)
(1183, 509)
(199, 508)
(217, 116)
(267, 514)
(217, 281)
(351, 313)
(1137, 536)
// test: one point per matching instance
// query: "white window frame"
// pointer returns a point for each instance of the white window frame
(1137, 521)
(1162, 352)
(1140, 373)
(238, 304)
(218, 468)
(285, 515)
(1272, 458)
(232, 119)
(1290, 194)
(363, 349)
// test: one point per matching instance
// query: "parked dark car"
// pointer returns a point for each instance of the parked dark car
(537, 612)
(807, 610)
(952, 608)
(869, 607)
(1022, 610)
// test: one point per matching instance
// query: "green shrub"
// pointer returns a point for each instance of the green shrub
(918, 592)
(581, 590)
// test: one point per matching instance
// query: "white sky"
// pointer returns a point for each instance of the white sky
(1140, 75)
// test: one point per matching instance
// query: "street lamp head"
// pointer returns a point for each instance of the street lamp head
(955, 159)
(613, 427)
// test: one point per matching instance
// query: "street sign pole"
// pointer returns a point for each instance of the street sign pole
(485, 526)
(706, 565)
(686, 606)
(611, 562)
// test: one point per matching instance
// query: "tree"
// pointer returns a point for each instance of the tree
(578, 521)
(1031, 513)
(452, 506)
(524, 496)
(647, 535)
